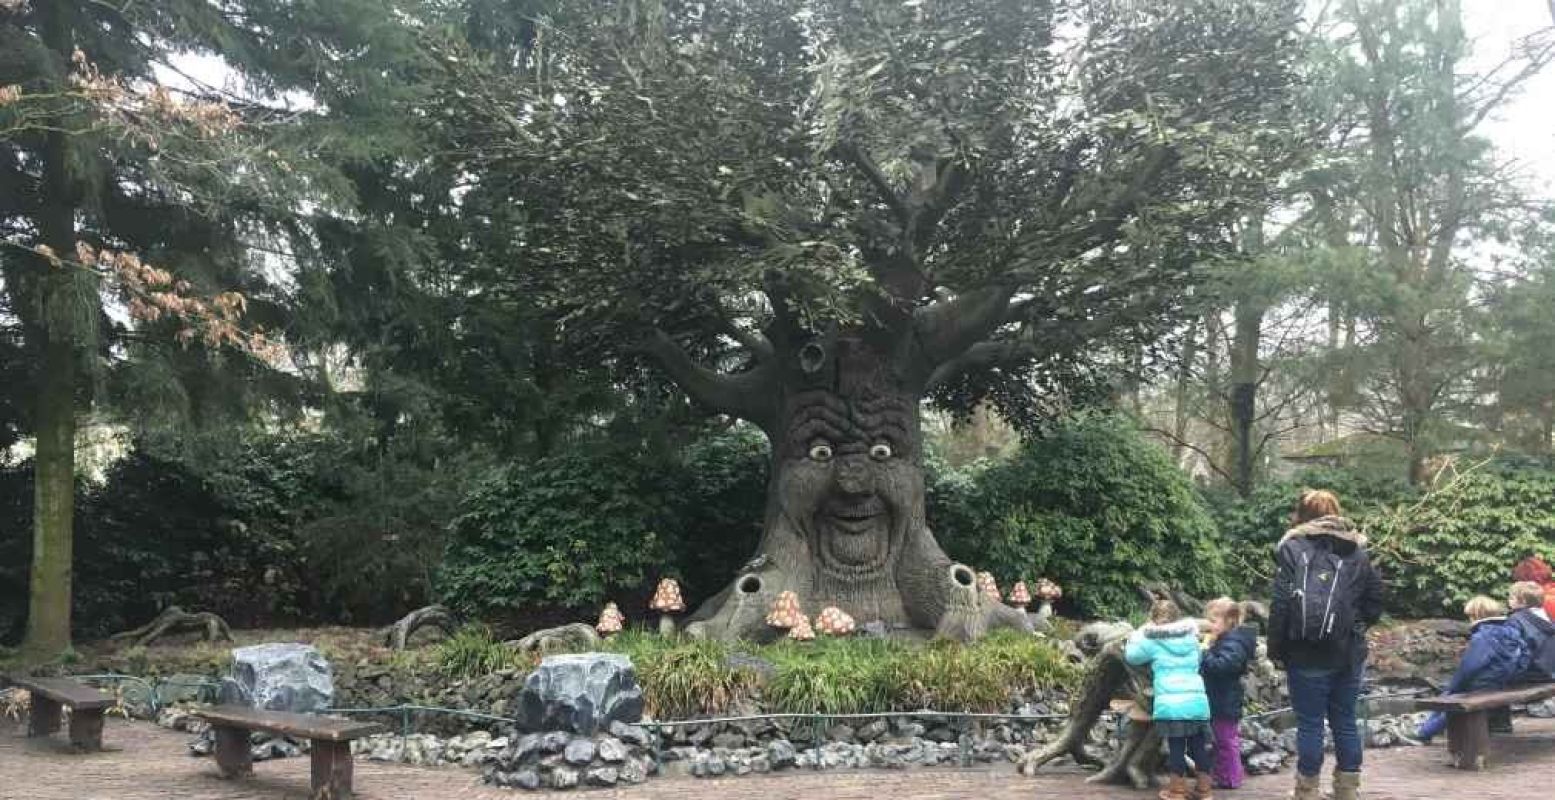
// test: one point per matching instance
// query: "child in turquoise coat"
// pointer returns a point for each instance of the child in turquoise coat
(1169, 645)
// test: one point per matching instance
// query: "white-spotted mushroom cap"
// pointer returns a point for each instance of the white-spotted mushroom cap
(801, 631)
(666, 598)
(988, 586)
(1019, 596)
(1048, 591)
(610, 620)
(834, 621)
(785, 612)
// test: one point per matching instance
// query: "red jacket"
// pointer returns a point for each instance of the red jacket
(1549, 599)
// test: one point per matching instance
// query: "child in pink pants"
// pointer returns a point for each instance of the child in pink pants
(1228, 652)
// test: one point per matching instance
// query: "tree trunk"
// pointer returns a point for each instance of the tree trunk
(54, 465)
(845, 524)
(1244, 393)
(1181, 415)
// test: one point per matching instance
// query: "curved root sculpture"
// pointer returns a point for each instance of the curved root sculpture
(1107, 677)
(845, 520)
(174, 618)
(397, 635)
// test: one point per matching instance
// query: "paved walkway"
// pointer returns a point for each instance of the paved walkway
(148, 762)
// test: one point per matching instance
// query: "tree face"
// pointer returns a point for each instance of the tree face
(848, 477)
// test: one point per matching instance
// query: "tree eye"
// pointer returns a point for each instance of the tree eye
(880, 452)
(820, 451)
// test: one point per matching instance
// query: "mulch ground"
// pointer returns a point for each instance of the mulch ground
(146, 762)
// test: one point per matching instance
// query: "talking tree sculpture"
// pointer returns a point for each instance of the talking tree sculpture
(816, 215)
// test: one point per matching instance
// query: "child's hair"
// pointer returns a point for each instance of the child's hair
(1483, 607)
(1533, 569)
(1526, 594)
(1316, 503)
(1164, 611)
(1224, 608)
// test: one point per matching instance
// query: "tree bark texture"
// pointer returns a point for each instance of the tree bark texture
(845, 523)
(48, 618)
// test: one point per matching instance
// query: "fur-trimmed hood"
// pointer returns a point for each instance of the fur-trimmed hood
(1337, 527)
(1179, 637)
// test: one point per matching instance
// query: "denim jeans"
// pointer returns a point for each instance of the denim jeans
(1326, 694)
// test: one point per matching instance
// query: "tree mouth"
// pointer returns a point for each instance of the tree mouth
(850, 514)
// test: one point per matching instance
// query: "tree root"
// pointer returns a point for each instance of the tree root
(576, 636)
(1107, 676)
(174, 618)
(395, 636)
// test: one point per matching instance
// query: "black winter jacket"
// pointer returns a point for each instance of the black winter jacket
(1223, 665)
(1344, 653)
(1539, 633)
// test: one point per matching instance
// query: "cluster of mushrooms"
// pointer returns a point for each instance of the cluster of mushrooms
(786, 613)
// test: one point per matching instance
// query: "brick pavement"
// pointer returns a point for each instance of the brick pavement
(151, 763)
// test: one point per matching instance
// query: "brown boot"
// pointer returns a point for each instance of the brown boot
(1176, 789)
(1347, 785)
(1205, 790)
(1307, 788)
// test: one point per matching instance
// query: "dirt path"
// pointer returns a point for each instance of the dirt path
(149, 762)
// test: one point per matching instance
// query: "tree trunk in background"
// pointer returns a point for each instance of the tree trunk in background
(1244, 393)
(54, 418)
(1184, 383)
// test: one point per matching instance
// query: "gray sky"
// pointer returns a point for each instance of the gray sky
(1525, 127)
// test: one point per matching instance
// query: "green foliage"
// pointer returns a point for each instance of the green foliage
(1252, 526)
(1462, 538)
(1092, 505)
(473, 651)
(562, 531)
(683, 678)
(574, 530)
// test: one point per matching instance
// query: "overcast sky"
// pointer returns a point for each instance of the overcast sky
(1525, 128)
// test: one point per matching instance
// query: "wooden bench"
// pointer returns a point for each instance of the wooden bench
(330, 743)
(86, 706)
(1468, 719)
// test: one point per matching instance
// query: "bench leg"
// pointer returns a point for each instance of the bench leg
(332, 770)
(1468, 739)
(233, 756)
(86, 730)
(44, 718)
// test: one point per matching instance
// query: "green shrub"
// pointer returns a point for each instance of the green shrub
(561, 532)
(1463, 538)
(685, 678)
(1093, 505)
(1252, 526)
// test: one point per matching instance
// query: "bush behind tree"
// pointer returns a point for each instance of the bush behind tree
(1090, 503)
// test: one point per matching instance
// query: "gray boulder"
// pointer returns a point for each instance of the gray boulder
(281, 677)
(579, 752)
(580, 693)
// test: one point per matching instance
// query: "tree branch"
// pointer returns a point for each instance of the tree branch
(747, 395)
(946, 329)
(877, 178)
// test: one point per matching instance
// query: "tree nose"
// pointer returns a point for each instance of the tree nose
(853, 476)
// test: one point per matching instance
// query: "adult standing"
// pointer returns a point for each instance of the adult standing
(1533, 570)
(1326, 594)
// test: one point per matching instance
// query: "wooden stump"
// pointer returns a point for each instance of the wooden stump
(86, 730)
(44, 718)
(233, 756)
(332, 770)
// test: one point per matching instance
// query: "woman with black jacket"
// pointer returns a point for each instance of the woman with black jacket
(1326, 594)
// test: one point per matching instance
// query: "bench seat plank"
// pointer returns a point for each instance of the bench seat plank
(66, 692)
(304, 726)
(1482, 701)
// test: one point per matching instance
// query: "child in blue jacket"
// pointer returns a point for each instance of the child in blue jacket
(1496, 657)
(1169, 645)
